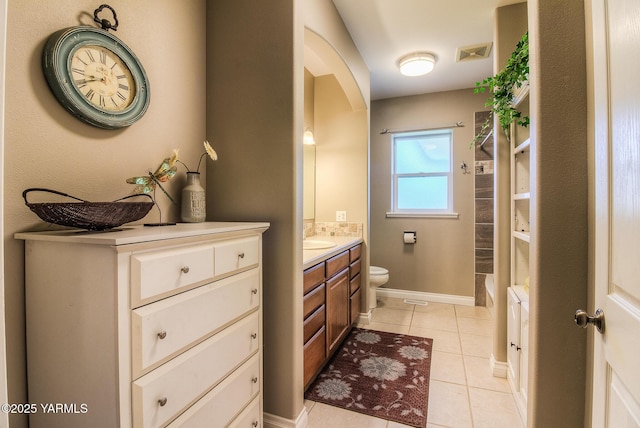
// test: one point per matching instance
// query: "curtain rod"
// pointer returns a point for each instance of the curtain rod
(455, 125)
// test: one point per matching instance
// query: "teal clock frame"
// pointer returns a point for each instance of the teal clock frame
(56, 65)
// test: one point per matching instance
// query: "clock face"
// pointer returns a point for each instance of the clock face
(96, 77)
(102, 78)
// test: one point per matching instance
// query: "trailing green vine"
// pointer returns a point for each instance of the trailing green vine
(501, 87)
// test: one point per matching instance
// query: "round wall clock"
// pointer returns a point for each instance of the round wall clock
(95, 76)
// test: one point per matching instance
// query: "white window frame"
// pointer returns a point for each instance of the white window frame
(439, 213)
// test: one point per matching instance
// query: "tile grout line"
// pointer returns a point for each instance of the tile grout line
(464, 367)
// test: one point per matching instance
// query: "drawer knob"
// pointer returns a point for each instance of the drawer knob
(162, 335)
(254, 424)
(162, 401)
(241, 255)
(254, 335)
(254, 291)
(254, 379)
(185, 269)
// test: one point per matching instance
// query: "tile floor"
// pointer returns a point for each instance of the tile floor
(462, 391)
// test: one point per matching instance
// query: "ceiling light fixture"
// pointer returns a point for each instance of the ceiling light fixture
(417, 64)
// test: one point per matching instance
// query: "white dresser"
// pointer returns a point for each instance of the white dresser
(145, 326)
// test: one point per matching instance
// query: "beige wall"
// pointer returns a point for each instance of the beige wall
(442, 260)
(255, 110)
(510, 23)
(254, 103)
(559, 199)
(47, 147)
(341, 154)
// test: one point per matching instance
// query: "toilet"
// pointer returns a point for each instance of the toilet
(377, 276)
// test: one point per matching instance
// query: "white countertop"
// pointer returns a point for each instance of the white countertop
(134, 234)
(312, 257)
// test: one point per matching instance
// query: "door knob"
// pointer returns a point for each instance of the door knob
(583, 319)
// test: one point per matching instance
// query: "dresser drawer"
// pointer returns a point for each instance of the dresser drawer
(313, 300)
(313, 323)
(221, 405)
(236, 255)
(163, 328)
(162, 273)
(190, 375)
(249, 418)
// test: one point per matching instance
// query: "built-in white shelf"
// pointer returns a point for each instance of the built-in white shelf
(522, 196)
(522, 147)
(523, 236)
(520, 93)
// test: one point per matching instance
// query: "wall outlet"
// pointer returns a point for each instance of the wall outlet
(341, 216)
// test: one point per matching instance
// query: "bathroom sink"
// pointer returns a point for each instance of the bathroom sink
(310, 244)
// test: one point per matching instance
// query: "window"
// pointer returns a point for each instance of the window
(421, 173)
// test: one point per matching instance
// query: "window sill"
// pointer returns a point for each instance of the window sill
(422, 215)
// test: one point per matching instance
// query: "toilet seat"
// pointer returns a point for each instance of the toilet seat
(376, 270)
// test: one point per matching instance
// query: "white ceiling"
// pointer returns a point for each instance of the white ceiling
(385, 30)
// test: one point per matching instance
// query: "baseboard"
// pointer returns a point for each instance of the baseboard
(274, 421)
(364, 318)
(429, 297)
(498, 368)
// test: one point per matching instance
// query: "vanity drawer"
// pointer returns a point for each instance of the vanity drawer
(314, 355)
(355, 306)
(162, 273)
(164, 328)
(313, 323)
(221, 405)
(190, 375)
(313, 276)
(336, 263)
(313, 300)
(354, 253)
(354, 268)
(354, 284)
(236, 255)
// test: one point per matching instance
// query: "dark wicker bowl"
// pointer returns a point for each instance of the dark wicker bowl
(89, 215)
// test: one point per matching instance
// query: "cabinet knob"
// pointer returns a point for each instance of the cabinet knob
(254, 335)
(162, 334)
(185, 269)
(254, 424)
(162, 401)
(254, 291)
(241, 255)
(254, 379)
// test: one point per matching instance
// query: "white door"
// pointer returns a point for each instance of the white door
(616, 113)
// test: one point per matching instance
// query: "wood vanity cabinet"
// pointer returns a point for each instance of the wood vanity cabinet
(146, 327)
(331, 305)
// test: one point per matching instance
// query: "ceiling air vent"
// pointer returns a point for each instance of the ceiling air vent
(469, 53)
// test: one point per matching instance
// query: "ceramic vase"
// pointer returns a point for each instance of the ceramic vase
(193, 208)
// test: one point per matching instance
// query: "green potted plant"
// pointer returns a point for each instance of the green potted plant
(503, 87)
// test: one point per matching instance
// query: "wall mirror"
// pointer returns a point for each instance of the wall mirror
(309, 183)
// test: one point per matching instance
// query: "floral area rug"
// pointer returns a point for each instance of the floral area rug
(385, 375)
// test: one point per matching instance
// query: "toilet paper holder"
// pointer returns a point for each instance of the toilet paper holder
(410, 237)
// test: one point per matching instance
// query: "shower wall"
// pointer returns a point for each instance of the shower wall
(484, 210)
